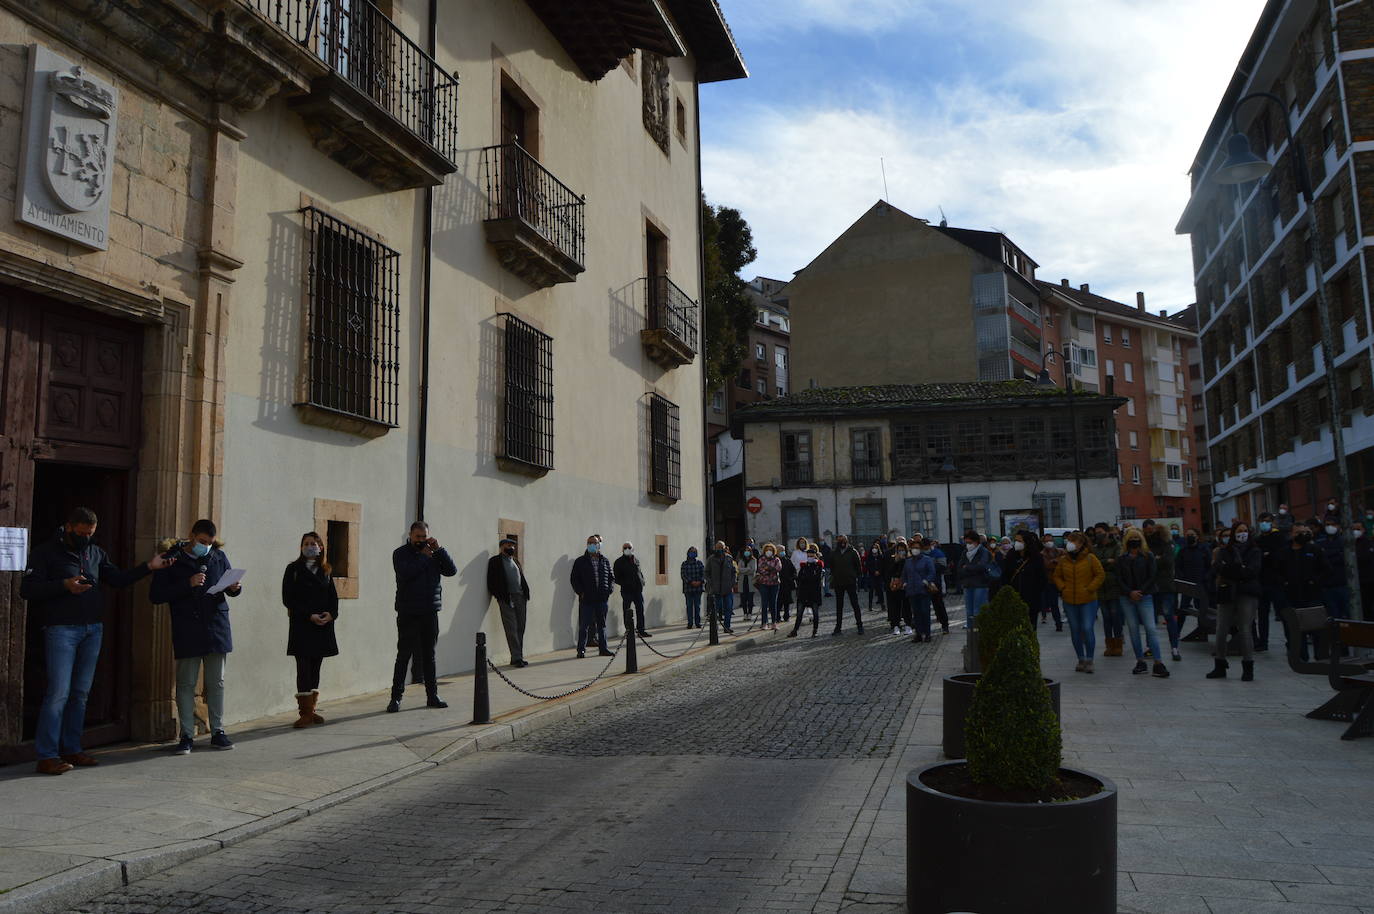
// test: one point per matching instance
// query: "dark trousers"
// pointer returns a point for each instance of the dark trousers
(815, 618)
(591, 622)
(898, 609)
(416, 636)
(513, 616)
(637, 601)
(937, 602)
(308, 673)
(852, 590)
(746, 596)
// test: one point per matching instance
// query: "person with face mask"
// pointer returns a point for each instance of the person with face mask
(1135, 572)
(312, 605)
(508, 586)
(1284, 520)
(768, 578)
(809, 591)
(1238, 568)
(1304, 570)
(1107, 548)
(1050, 554)
(420, 564)
(1273, 546)
(1335, 591)
(1364, 565)
(918, 578)
(748, 566)
(693, 574)
(1024, 568)
(845, 568)
(937, 594)
(977, 570)
(629, 577)
(593, 580)
(787, 585)
(61, 583)
(1166, 594)
(201, 637)
(898, 605)
(1078, 575)
(1192, 564)
(720, 584)
(873, 562)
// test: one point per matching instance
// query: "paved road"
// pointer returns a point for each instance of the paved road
(741, 785)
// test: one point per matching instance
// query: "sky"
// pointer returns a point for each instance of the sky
(1070, 125)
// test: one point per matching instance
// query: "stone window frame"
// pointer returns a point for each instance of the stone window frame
(329, 510)
(661, 560)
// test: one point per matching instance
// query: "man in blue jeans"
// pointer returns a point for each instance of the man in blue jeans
(61, 584)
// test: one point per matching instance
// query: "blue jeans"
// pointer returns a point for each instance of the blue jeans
(725, 608)
(1337, 600)
(693, 608)
(1141, 615)
(919, 604)
(1166, 604)
(768, 600)
(974, 598)
(1082, 627)
(72, 652)
(591, 624)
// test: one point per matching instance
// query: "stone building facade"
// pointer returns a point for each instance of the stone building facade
(1256, 267)
(340, 290)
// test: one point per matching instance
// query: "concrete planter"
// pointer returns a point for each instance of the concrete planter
(959, 696)
(1010, 858)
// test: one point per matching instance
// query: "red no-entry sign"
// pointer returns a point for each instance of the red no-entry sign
(754, 505)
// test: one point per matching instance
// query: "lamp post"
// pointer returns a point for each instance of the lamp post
(1242, 166)
(947, 470)
(1045, 382)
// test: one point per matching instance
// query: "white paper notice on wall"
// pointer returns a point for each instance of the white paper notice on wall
(14, 548)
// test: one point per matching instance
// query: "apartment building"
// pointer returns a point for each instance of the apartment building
(1257, 267)
(283, 272)
(1197, 413)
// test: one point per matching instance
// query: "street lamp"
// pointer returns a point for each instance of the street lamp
(947, 470)
(1044, 382)
(1242, 166)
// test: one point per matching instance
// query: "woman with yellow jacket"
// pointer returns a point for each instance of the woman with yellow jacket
(1077, 576)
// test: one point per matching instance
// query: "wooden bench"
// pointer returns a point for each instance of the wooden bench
(1352, 680)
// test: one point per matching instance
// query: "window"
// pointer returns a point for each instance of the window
(761, 352)
(1135, 441)
(780, 357)
(1130, 406)
(661, 560)
(528, 420)
(681, 121)
(1173, 471)
(1048, 317)
(762, 386)
(745, 381)
(1111, 368)
(1128, 512)
(865, 455)
(341, 524)
(718, 401)
(920, 515)
(1188, 476)
(1128, 371)
(1307, 246)
(1135, 474)
(1328, 130)
(782, 391)
(796, 459)
(1126, 337)
(665, 455)
(1187, 443)
(1275, 210)
(973, 514)
(1052, 509)
(798, 521)
(1338, 214)
(869, 522)
(353, 312)
(1106, 333)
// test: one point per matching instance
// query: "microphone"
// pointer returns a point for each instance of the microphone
(200, 569)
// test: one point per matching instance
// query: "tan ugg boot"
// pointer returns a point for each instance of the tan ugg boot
(1113, 648)
(304, 702)
(315, 697)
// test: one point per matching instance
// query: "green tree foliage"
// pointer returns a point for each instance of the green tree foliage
(727, 312)
(1011, 737)
(1005, 614)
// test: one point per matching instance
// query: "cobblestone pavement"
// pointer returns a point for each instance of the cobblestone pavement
(742, 785)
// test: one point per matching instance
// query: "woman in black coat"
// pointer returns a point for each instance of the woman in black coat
(312, 604)
(1237, 567)
(787, 586)
(1024, 568)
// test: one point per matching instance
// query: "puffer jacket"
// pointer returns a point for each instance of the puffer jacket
(1078, 577)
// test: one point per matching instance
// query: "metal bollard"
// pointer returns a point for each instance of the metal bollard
(481, 689)
(715, 634)
(631, 660)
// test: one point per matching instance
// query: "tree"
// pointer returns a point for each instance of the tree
(727, 312)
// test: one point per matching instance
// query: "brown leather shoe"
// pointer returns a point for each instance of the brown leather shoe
(81, 760)
(52, 766)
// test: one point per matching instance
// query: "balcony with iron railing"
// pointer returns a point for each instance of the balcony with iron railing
(671, 316)
(797, 473)
(535, 222)
(866, 470)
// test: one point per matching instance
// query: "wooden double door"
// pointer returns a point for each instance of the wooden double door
(69, 434)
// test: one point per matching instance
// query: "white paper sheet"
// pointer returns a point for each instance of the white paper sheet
(230, 578)
(14, 548)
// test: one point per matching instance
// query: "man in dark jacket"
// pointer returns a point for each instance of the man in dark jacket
(1335, 590)
(201, 636)
(507, 585)
(845, 567)
(1273, 546)
(630, 578)
(1304, 570)
(420, 564)
(721, 577)
(593, 580)
(61, 584)
(1166, 594)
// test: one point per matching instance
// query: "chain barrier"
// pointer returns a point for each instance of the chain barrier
(506, 679)
(644, 642)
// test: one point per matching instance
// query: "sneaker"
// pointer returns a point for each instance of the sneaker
(1177, 656)
(220, 740)
(185, 746)
(1140, 667)
(896, 630)
(1161, 671)
(1087, 666)
(906, 630)
(1080, 666)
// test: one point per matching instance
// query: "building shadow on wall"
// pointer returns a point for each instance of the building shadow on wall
(626, 317)
(460, 206)
(458, 640)
(562, 602)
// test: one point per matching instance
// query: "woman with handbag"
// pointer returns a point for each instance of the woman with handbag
(898, 606)
(312, 605)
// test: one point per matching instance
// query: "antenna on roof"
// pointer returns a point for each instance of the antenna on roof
(883, 166)
(944, 223)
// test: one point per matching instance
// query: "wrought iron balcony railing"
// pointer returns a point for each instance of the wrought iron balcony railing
(363, 46)
(672, 310)
(518, 187)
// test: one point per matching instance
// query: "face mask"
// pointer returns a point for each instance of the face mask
(720, 551)
(80, 542)
(901, 553)
(310, 552)
(1357, 532)
(1070, 546)
(1223, 540)
(1192, 540)
(970, 546)
(1331, 530)
(1018, 546)
(746, 553)
(1304, 537)
(593, 548)
(691, 553)
(1331, 506)
(1265, 526)
(768, 553)
(632, 552)
(1368, 515)
(1242, 537)
(1283, 511)
(1173, 532)
(200, 550)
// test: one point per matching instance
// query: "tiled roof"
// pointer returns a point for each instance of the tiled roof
(884, 397)
(1186, 318)
(1096, 302)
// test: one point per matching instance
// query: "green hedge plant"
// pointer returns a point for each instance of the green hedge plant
(1005, 614)
(1012, 737)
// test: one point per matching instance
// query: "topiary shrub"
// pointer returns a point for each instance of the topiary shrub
(1005, 614)
(1012, 738)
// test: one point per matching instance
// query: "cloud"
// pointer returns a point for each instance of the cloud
(1071, 130)
(838, 15)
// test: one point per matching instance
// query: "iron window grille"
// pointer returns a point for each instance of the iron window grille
(796, 458)
(672, 309)
(665, 449)
(363, 46)
(528, 409)
(353, 321)
(866, 463)
(518, 187)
